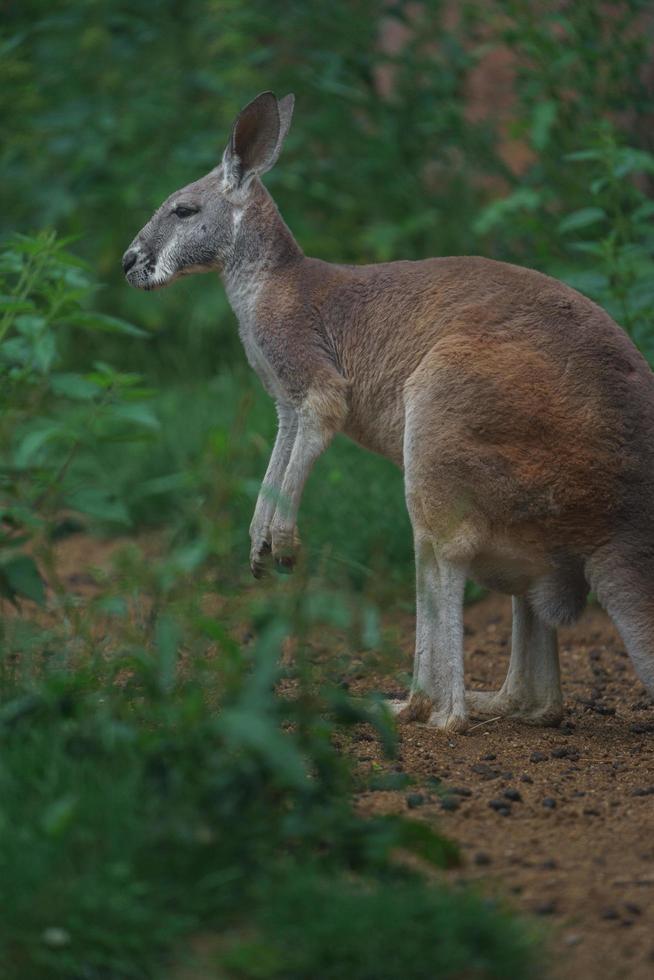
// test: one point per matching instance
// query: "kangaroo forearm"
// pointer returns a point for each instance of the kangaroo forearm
(311, 440)
(272, 482)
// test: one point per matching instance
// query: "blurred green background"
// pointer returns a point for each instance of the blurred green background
(518, 130)
(134, 816)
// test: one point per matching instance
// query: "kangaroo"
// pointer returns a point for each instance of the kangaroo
(520, 413)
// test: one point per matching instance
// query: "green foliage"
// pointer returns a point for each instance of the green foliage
(134, 816)
(49, 416)
(618, 238)
(400, 931)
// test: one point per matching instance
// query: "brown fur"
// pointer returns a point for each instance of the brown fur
(521, 414)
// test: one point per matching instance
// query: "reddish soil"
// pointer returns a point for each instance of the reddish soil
(558, 821)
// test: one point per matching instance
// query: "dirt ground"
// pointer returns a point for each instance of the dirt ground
(558, 821)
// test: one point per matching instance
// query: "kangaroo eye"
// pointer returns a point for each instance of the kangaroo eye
(184, 212)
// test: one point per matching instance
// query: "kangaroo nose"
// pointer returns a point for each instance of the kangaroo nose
(129, 259)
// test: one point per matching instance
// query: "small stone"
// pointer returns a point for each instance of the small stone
(526, 779)
(633, 908)
(414, 800)
(482, 859)
(642, 727)
(449, 804)
(485, 771)
(500, 806)
(565, 752)
(513, 795)
(549, 865)
(572, 940)
(609, 913)
(491, 757)
(538, 757)
(643, 791)
(460, 791)
(549, 803)
(545, 908)
(590, 811)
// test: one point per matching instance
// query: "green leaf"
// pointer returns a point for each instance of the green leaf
(10, 304)
(44, 351)
(167, 639)
(248, 730)
(582, 155)
(138, 413)
(30, 324)
(581, 219)
(99, 503)
(630, 160)
(74, 386)
(523, 199)
(59, 815)
(33, 441)
(107, 324)
(19, 576)
(542, 122)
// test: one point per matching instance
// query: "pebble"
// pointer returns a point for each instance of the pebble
(545, 908)
(460, 791)
(642, 727)
(485, 771)
(590, 811)
(513, 795)
(500, 806)
(526, 779)
(565, 752)
(482, 858)
(538, 757)
(449, 804)
(491, 757)
(414, 800)
(549, 803)
(609, 913)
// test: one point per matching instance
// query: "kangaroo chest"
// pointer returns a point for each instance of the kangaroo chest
(261, 365)
(243, 298)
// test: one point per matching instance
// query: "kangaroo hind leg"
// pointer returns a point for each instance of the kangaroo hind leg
(531, 691)
(437, 691)
(623, 580)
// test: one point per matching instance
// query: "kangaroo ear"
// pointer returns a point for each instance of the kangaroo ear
(256, 138)
(285, 107)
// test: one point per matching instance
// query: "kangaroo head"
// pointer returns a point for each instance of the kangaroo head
(196, 228)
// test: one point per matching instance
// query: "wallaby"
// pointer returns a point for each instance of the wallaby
(521, 415)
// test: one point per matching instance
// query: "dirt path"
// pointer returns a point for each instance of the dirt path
(560, 821)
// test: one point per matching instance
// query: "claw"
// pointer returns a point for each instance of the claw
(259, 559)
(285, 564)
